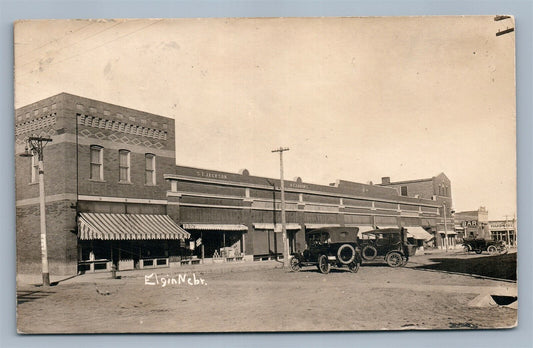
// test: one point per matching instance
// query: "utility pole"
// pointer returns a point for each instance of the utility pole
(445, 227)
(35, 147)
(283, 221)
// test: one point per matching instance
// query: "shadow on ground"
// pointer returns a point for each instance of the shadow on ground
(498, 266)
(29, 296)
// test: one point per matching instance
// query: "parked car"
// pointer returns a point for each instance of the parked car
(478, 245)
(388, 243)
(327, 247)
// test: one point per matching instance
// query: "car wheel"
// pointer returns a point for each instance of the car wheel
(323, 264)
(394, 259)
(492, 249)
(346, 254)
(369, 252)
(466, 249)
(503, 249)
(294, 264)
(354, 266)
(478, 251)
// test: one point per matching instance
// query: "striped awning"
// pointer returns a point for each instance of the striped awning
(128, 227)
(418, 232)
(277, 227)
(215, 227)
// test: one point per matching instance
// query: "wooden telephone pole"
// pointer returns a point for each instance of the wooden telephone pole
(283, 221)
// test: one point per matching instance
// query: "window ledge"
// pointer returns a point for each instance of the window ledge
(95, 180)
(125, 183)
(33, 183)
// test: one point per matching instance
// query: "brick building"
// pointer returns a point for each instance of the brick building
(437, 189)
(115, 195)
(104, 159)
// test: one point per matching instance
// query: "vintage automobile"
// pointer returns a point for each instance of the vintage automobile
(478, 245)
(327, 247)
(389, 244)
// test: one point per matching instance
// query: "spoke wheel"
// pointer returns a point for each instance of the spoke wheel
(492, 249)
(394, 259)
(295, 264)
(323, 264)
(466, 249)
(478, 251)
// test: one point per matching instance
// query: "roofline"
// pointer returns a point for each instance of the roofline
(66, 94)
(405, 182)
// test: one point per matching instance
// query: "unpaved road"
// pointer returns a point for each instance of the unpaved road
(378, 297)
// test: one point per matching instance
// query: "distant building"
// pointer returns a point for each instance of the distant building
(114, 196)
(473, 224)
(437, 189)
(504, 230)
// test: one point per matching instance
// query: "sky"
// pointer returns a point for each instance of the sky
(352, 98)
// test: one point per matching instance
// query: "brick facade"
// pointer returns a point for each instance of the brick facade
(74, 124)
(437, 189)
(248, 204)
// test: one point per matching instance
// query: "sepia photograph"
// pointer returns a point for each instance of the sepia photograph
(215, 175)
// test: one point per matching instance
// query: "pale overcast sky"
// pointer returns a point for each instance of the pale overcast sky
(353, 98)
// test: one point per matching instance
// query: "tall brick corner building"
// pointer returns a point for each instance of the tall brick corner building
(114, 193)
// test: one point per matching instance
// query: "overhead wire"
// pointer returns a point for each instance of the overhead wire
(101, 45)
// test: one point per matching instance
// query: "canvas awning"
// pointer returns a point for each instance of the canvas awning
(362, 228)
(277, 227)
(215, 227)
(314, 226)
(418, 232)
(106, 226)
(387, 226)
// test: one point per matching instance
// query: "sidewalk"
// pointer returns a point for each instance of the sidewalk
(24, 280)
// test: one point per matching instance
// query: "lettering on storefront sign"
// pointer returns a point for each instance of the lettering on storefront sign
(204, 174)
(296, 185)
(502, 224)
(292, 185)
(472, 223)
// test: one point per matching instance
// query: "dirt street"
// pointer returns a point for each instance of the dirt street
(378, 297)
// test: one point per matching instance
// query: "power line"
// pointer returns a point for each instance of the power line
(75, 43)
(96, 47)
(53, 41)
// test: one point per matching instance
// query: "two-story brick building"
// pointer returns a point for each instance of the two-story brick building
(104, 185)
(114, 194)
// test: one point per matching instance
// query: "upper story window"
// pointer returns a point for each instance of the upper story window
(34, 169)
(149, 169)
(97, 162)
(403, 190)
(124, 166)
